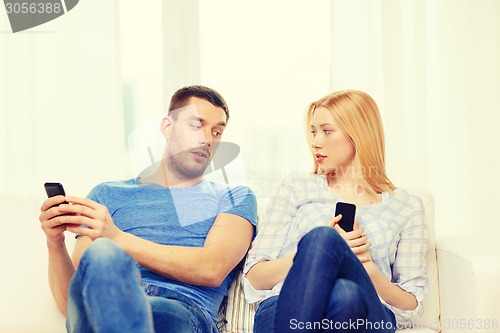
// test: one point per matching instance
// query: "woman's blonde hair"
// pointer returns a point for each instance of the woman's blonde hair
(357, 115)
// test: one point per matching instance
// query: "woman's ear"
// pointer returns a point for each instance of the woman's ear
(166, 126)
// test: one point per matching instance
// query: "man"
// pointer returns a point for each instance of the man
(186, 234)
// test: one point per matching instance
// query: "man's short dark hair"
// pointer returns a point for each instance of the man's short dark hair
(180, 97)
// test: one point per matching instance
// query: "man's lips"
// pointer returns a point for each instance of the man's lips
(202, 154)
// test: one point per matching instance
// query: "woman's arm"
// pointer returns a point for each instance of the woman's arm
(391, 293)
(266, 274)
(408, 271)
(263, 269)
(410, 265)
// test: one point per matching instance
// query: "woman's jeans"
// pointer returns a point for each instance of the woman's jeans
(326, 290)
(106, 296)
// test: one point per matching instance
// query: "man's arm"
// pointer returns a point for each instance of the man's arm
(225, 246)
(61, 269)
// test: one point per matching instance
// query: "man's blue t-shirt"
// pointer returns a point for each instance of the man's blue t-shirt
(176, 216)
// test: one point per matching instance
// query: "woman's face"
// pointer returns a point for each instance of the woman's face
(332, 148)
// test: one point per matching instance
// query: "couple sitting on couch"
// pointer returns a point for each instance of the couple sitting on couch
(158, 253)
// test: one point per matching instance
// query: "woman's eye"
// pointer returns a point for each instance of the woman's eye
(327, 131)
(313, 133)
(196, 126)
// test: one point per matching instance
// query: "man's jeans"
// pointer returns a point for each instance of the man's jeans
(106, 296)
(327, 290)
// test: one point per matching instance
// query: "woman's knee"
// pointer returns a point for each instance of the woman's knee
(348, 298)
(321, 237)
(265, 315)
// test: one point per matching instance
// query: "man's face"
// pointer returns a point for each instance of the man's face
(192, 134)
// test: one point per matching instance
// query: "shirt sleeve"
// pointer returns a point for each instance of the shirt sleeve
(240, 201)
(409, 269)
(271, 237)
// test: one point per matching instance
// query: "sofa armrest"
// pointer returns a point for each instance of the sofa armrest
(469, 273)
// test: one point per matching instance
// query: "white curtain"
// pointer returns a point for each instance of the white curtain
(60, 102)
(432, 66)
(72, 90)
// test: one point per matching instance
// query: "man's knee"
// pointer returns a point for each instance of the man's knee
(105, 253)
(172, 315)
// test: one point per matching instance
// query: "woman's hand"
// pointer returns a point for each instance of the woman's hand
(356, 239)
(84, 211)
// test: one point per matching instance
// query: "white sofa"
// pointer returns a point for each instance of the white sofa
(465, 296)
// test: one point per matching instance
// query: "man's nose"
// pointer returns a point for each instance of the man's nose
(207, 138)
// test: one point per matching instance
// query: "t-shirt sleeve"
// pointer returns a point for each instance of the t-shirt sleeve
(96, 193)
(241, 201)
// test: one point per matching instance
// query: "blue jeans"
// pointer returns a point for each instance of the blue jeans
(106, 296)
(326, 290)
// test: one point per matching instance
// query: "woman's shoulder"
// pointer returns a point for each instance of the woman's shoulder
(404, 198)
(300, 186)
(304, 179)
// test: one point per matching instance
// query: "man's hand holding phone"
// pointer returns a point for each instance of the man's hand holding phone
(60, 213)
(50, 211)
(83, 211)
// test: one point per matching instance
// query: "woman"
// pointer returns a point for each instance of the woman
(310, 275)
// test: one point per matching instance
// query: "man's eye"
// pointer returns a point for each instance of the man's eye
(216, 134)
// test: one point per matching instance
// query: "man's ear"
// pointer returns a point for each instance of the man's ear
(166, 126)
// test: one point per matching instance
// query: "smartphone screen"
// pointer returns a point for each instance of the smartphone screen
(348, 212)
(54, 189)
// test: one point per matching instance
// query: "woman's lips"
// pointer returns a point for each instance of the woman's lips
(320, 158)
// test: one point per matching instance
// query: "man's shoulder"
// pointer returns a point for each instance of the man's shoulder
(127, 183)
(225, 189)
(237, 200)
(105, 188)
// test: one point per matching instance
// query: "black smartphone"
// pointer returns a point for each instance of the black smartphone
(54, 189)
(348, 212)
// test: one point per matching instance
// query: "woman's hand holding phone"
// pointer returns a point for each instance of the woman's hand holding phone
(356, 239)
(348, 228)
